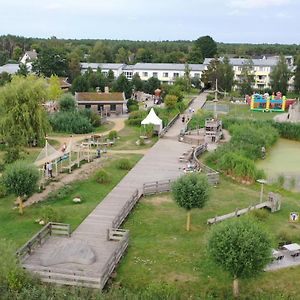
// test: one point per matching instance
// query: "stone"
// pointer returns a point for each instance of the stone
(71, 251)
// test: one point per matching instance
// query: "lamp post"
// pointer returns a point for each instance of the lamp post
(262, 182)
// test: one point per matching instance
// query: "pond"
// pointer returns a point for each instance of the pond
(283, 159)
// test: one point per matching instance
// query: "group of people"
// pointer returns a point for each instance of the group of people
(48, 169)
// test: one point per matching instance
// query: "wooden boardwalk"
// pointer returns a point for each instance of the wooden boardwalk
(89, 255)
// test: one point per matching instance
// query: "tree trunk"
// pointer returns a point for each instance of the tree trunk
(235, 287)
(20, 201)
(188, 221)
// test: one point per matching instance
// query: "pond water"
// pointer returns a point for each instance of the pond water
(283, 159)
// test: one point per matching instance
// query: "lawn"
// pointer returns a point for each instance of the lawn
(162, 253)
(20, 228)
(129, 135)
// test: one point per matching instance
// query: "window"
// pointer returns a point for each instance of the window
(88, 106)
(145, 74)
(175, 75)
(100, 107)
(165, 74)
(197, 75)
(104, 73)
(155, 74)
(239, 68)
(113, 107)
(128, 75)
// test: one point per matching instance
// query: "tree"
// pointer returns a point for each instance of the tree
(4, 78)
(151, 85)
(246, 79)
(73, 66)
(191, 191)
(54, 90)
(51, 61)
(110, 78)
(137, 82)
(280, 76)
(206, 46)
(170, 101)
(228, 74)
(17, 53)
(297, 75)
(20, 179)
(100, 53)
(122, 56)
(23, 70)
(80, 84)
(240, 247)
(67, 103)
(195, 56)
(123, 85)
(214, 71)
(23, 118)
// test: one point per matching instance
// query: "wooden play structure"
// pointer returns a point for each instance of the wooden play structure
(273, 203)
(64, 159)
(213, 131)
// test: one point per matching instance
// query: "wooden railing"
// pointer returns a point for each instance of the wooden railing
(122, 236)
(156, 187)
(39, 238)
(126, 209)
(212, 175)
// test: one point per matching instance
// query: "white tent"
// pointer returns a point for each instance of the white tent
(152, 118)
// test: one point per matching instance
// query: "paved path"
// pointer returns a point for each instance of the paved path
(160, 162)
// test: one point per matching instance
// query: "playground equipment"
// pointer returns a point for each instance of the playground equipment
(273, 203)
(267, 103)
(213, 131)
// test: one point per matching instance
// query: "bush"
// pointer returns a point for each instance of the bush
(260, 214)
(170, 101)
(49, 214)
(136, 117)
(149, 130)
(112, 135)
(67, 102)
(3, 191)
(20, 178)
(198, 119)
(92, 116)
(124, 164)
(11, 154)
(132, 105)
(70, 122)
(102, 177)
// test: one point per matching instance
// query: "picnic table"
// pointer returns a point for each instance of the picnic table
(277, 254)
(294, 249)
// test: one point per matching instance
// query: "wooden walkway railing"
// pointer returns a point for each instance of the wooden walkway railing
(156, 187)
(38, 239)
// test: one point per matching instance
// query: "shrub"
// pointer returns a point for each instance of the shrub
(198, 119)
(136, 117)
(3, 191)
(50, 214)
(102, 177)
(285, 236)
(170, 101)
(20, 178)
(112, 135)
(124, 164)
(70, 122)
(67, 102)
(11, 154)
(260, 214)
(280, 180)
(149, 130)
(132, 105)
(92, 116)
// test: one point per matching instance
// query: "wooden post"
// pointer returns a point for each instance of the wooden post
(235, 287)
(20, 201)
(188, 221)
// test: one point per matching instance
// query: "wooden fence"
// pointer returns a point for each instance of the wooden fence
(156, 187)
(126, 209)
(39, 238)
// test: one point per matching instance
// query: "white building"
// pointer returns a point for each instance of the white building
(105, 67)
(9, 68)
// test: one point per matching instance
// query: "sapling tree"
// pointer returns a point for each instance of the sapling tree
(20, 179)
(191, 191)
(240, 247)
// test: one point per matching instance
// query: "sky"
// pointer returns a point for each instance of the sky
(229, 21)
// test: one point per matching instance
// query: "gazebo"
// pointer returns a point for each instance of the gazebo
(153, 119)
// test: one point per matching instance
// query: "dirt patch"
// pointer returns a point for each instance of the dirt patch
(164, 198)
(182, 277)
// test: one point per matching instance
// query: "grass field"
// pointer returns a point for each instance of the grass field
(20, 228)
(162, 253)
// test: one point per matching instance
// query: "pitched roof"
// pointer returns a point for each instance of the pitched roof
(31, 54)
(87, 96)
(102, 66)
(167, 67)
(9, 68)
(271, 62)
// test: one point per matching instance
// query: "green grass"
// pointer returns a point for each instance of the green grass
(161, 251)
(20, 228)
(128, 137)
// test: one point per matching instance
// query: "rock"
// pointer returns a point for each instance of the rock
(71, 251)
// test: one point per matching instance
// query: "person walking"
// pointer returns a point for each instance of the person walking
(50, 169)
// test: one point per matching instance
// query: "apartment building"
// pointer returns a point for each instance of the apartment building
(105, 67)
